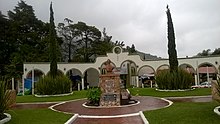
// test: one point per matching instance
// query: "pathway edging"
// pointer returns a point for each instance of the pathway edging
(216, 110)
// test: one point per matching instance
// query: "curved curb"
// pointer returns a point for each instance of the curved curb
(84, 105)
(144, 119)
(60, 103)
(7, 119)
(170, 103)
(72, 119)
(179, 90)
(115, 116)
(67, 94)
(216, 110)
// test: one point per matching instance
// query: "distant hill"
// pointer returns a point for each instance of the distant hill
(147, 56)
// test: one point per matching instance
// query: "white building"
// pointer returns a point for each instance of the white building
(132, 66)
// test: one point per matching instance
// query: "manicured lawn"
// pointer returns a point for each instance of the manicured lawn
(185, 113)
(31, 98)
(37, 116)
(153, 92)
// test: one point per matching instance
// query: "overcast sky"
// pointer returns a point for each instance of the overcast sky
(140, 22)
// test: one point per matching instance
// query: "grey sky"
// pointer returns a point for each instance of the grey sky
(141, 22)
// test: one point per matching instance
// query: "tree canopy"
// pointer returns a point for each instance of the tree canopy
(171, 43)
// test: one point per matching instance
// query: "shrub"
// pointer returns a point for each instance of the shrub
(4, 98)
(94, 96)
(217, 87)
(50, 86)
(174, 80)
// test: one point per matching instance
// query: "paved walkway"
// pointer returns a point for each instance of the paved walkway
(146, 103)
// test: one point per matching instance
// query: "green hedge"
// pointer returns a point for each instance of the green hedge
(174, 80)
(50, 86)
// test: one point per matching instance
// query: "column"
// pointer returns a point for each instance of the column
(137, 81)
(83, 83)
(32, 81)
(23, 84)
(196, 81)
(13, 83)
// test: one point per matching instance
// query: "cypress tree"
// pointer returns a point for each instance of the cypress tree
(52, 45)
(171, 43)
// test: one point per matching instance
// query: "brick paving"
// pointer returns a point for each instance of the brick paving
(146, 103)
(124, 120)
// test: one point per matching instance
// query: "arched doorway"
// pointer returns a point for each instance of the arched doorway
(129, 73)
(146, 76)
(188, 68)
(75, 76)
(207, 72)
(91, 77)
(162, 67)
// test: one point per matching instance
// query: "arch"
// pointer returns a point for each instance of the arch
(146, 69)
(74, 72)
(207, 72)
(58, 70)
(133, 66)
(91, 77)
(75, 75)
(102, 68)
(188, 68)
(37, 74)
(162, 67)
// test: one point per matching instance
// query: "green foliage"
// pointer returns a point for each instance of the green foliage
(53, 45)
(171, 43)
(217, 86)
(94, 96)
(50, 86)
(179, 79)
(4, 98)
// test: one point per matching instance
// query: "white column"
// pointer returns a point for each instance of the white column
(197, 71)
(137, 81)
(196, 82)
(78, 86)
(23, 84)
(151, 84)
(83, 83)
(33, 81)
(13, 83)
(207, 70)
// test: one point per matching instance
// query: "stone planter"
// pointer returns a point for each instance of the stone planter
(7, 119)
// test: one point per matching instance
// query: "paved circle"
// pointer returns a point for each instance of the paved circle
(146, 103)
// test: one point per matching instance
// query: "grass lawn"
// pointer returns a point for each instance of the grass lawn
(31, 98)
(153, 92)
(185, 113)
(37, 116)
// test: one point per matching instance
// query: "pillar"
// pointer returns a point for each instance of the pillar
(23, 84)
(13, 83)
(137, 81)
(196, 80)
(83, 83)
(32, 81)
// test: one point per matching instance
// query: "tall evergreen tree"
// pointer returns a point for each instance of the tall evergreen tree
(53, 45)
(171, 43)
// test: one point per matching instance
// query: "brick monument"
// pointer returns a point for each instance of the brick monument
(110, 87)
